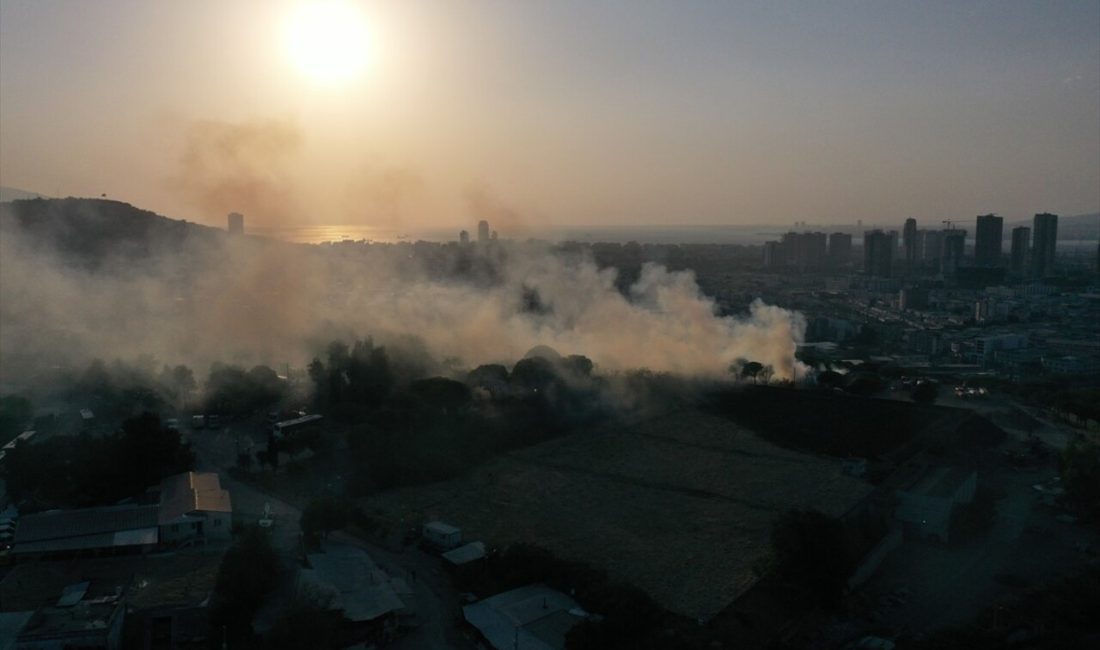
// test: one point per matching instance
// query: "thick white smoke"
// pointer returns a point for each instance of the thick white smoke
(251, 301)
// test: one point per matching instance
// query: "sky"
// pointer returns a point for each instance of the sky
(543, 114)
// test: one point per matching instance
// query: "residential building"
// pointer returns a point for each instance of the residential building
(954, 247)
(987, 240)
(1020, 240)
(194, 506)
(878, 253)
(909, 244)
(1044, 238)
(840, 249)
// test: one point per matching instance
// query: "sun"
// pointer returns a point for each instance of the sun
(328, 41)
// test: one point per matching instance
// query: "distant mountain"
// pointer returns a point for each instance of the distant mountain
(1081, 226)
(16, 194)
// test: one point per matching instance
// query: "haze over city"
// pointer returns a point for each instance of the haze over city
(432, 325)
(557, 114)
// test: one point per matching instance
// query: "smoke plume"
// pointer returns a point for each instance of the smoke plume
(194, 295)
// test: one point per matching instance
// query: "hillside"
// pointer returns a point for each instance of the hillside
(90, 232)
(16, 194)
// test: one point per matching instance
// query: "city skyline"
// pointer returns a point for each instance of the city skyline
(538, 116)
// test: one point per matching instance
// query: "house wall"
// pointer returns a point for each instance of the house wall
(179, 531)
(218, 525)
(443, 539)
(215, 526)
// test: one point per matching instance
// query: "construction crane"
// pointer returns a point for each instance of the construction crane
(950, 224)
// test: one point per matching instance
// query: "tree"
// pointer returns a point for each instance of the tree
(248, 573)
(148, 452)
(830, 379)
(179, 382)
(271, 456)
(15, 413)
(1080, 470)
(751, 369)
(925, 392)
(87, 470)
(304, 626)
(323, 515)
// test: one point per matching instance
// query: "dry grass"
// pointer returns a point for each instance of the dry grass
(680, 506)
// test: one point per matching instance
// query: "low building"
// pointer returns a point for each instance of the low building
(928, 495)
(534, 617)
(1072, 365)
(156, 601)
(465, 554)
(111, 529)
(194, 506)
(71, 605)
(345, 579)
(168, 601)
(442, 535)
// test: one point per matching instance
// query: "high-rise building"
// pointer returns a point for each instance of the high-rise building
(931, 245)
(987, 240)
(236, 223)
(909, 243)
(463, 237)
(840, 249)
(483, 232)
(774, 255)
(1021, 236)
(1044, 235)
(954, 247)
(803, 250)
(878, 253)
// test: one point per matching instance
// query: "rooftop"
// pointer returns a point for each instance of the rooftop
(190, 492)
(61, 530)
(534, 617)
(442, 528)
(939, 481)
(362, 591)
(465, 554)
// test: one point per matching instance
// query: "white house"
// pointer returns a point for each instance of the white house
(194, 506)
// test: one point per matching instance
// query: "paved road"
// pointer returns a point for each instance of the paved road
(950, 584)
(436, 603)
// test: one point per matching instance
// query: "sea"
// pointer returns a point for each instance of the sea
(706, 234)
(702, 234)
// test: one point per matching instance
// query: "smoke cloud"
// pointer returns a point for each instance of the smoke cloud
(483, 203)
(239, 167)
(195, 295)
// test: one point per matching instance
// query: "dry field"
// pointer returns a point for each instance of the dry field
(680, 506)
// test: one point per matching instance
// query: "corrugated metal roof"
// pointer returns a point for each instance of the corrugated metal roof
(365, 591)
(72, 594)
(140, 537)
(463, 554)
(63, 524)
(534, 617)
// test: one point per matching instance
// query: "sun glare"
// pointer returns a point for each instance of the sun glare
(328, 41)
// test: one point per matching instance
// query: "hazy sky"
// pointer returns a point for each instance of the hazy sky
(561, 112)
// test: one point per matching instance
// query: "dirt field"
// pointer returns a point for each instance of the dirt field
(680, 506)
